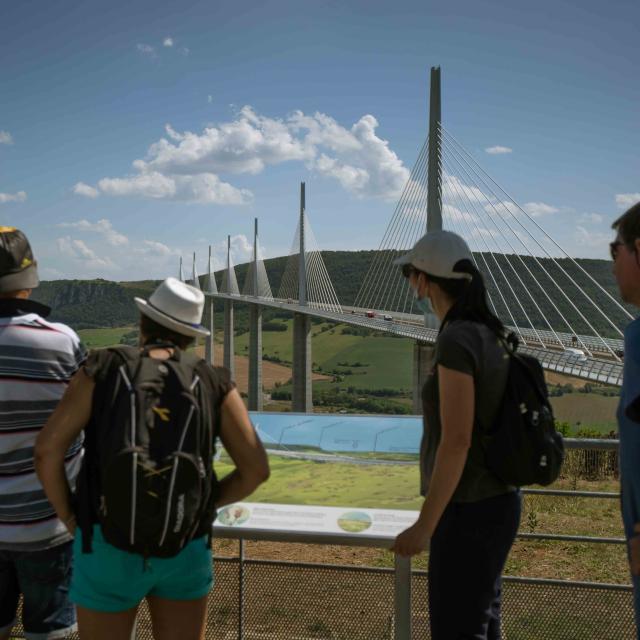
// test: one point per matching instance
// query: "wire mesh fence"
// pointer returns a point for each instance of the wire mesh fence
(277, 600)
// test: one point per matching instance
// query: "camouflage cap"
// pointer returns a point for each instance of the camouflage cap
(18, 269)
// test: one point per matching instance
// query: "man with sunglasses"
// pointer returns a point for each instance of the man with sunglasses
(625, 253)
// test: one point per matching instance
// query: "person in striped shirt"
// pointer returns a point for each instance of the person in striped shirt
(37, 360)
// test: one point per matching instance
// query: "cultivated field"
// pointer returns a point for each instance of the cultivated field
(396, 487)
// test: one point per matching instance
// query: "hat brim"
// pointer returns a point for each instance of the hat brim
(170, 323)
(25, 279)
(402, 260)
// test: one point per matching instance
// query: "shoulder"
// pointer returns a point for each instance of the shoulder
(218, 379)
(463, 331)
(61, 329)
(62, 338)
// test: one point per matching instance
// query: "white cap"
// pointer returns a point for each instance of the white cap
(177, 306)
(437, 254)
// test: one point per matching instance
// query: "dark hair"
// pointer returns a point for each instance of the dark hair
(469, 297)
(628, 224)
(154, 332)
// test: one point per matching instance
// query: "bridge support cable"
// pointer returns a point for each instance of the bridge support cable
(413, 221)
(210, 288)
(465, 217)
(195, 279)
(229, 280)
(549, 238)
(256, 281)
(490, 206)
(326, 298)
(409, 223)
(289, 283)
(389, 249)
(388, 243)
(475, 216)
(455, 224)
(508, 205)
(320, 293)
(543, 316)
(389, 286)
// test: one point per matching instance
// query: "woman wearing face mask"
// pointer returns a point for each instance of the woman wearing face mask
(469, 518)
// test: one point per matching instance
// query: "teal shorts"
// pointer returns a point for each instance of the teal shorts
(111, 580)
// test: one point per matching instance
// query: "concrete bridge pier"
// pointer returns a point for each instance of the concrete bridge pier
(229, 360)
(255, 358)
(423, 361)
(301, 397)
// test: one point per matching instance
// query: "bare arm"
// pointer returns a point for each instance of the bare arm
(245, 449)
(63, 427)
(457, 402)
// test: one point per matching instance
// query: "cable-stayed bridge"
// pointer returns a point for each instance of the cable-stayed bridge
(558, 310)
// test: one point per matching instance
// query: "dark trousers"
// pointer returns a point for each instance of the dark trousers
(468, 551)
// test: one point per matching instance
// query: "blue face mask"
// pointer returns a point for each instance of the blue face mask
(424, 305)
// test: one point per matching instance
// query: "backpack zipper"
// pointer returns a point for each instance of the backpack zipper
(174, 471)
(134, 462)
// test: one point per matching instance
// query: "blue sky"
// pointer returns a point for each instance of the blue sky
(132, 133)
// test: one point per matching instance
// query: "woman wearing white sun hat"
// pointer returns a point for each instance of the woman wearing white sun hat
(469, 517)
(108, 582)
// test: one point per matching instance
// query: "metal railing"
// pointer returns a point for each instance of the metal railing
(271, 599)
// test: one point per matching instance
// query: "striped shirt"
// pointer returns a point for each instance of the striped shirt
(37, 359)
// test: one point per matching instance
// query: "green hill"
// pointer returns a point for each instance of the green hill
(101, 303)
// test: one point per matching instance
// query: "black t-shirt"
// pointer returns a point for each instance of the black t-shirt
(472, 348)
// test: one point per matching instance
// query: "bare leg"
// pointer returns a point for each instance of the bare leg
(184, 619)
(98, 625)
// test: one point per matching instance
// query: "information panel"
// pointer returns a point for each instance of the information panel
(378, 523)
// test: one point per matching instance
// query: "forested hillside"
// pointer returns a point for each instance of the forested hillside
(101, 303)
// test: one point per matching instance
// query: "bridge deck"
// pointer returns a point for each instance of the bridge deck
(552, 355)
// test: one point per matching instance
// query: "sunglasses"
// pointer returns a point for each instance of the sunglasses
(614, 247)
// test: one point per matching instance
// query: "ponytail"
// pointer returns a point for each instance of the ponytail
(470, 300)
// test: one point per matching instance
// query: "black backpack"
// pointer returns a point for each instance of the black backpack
(523, 447)
(148, 476)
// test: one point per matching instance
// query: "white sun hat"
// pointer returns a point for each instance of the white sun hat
(437, 253)
(177, 306)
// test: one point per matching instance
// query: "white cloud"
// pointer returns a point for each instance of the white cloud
(184, 166)
(146, 50)
(209, 99)
(167, 42)
(20, 196)
(452, 186)
(5, 137)
(82, 189)
(159, 249)
(591, 218)
(203, 188)
(537, 209)
(592, 239)
(185, 51)
(626, 200)
(103, 227)
(79, 251)
(498, 150)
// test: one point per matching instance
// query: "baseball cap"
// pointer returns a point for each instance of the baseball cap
(437, 253)
(18, 269)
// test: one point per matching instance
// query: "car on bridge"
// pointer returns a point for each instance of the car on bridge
(370, 314)
(387, 317)
(575, 355)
